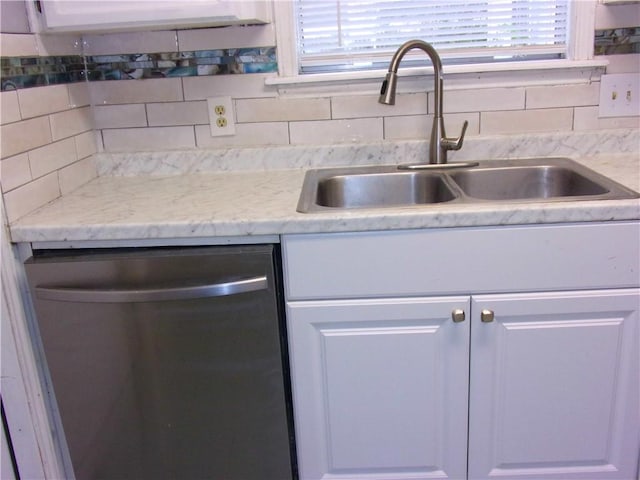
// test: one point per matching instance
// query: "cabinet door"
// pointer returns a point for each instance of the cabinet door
(87, 15)
(380, 388)
(554, 386)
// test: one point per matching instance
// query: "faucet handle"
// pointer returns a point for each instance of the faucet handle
(455, 143)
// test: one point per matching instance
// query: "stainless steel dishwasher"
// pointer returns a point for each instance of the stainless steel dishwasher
(167, 363)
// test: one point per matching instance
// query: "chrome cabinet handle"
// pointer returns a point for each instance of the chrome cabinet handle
(104, 295)
(458, 315)
(487, 316)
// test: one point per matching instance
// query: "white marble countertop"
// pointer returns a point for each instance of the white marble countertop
(250, 202)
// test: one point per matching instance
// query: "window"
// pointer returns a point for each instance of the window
(337, 35)
(347, 44)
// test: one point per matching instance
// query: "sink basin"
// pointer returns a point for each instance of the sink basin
(530, 182)
(492, 181)
(383, 190)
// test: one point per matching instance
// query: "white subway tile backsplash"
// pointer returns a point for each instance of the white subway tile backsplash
(526, 121)
(58, 45)
(79, 94)
(18, 45)
(146, 139)
(177, 113)
(586, 118)
(136, 91)
(76, 175)
(453, 123)
(85, 144)
(25, 135)
(229, 37)
(24, 199)
(52, 157)
(38, 101)
(14, 171)
(336, 131)
(134, 42)
(9, 107)
(481, 100)
(247, 135)
(236, 86)
(99, 141)
(563, 96)
(362, 106)
(407, 127)
(71, 122)
(616, 16)
(418, 127)
(282, 109)
(120, 116)
(624, 63)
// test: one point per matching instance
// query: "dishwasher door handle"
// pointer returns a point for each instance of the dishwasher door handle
(104, 295)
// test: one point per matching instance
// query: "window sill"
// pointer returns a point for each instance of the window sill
(490, 75)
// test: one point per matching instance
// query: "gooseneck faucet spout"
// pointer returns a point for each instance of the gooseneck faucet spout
(439, 143)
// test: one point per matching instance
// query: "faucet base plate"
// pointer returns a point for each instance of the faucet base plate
(436, 166)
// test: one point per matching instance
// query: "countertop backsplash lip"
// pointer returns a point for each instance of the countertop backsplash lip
(180, 162)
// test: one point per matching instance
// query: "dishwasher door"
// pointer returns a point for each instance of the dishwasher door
(167, 363)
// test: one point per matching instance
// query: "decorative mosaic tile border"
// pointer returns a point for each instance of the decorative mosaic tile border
(25, 72)
(182, 64)
(617, 41)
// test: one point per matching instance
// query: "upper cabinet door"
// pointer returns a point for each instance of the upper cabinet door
(119, 15)
(554, 386)
(380, 388)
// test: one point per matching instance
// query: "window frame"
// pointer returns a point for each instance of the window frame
(579, 67)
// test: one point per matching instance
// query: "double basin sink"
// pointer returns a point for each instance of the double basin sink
(525, 180)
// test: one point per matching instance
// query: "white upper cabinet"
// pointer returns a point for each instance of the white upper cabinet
(118, 15)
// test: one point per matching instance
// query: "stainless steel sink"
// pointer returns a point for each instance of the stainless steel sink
(527, 180)
(383, 189)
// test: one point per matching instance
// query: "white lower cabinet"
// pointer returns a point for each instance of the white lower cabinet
(380, 388)
(384, 387)
(554, 386)
(536, 385)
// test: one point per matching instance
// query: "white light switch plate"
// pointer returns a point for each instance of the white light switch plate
(221, 116)
(619, 95)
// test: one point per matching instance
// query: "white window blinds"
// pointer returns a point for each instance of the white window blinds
(336, 35)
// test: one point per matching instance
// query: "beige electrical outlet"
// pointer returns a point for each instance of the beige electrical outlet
(221, 116)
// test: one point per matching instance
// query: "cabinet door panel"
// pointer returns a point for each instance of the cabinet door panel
(89, 15)
(380, 388)
(554, 386)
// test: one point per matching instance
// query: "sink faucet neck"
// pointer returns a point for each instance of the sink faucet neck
(439, 143)
(435, 60)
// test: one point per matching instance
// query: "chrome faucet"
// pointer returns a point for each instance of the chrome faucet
(439, 143)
